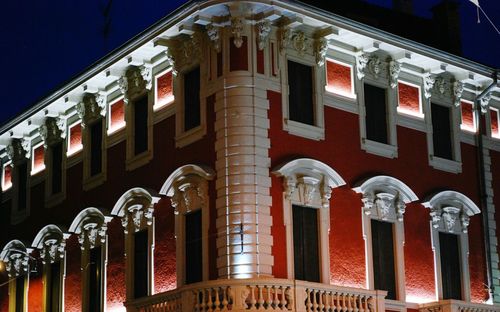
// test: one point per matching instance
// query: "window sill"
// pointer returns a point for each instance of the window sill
(445, 164)
(94, 181)
(190, 136)
(379, 149)
(139, 160)
(304, 130)
(395, 305)
(116, 136)
(345, 103)
(411, 121)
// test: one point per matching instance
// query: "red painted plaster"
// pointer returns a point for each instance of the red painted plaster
(4, 297)
(238, 57)
(494, 123)
(72, 283)
(117, 115)
(38, 159)
(338, 78)
(7, 177)
(164, 91)
(409, 98)
(75, 138)
(35, 293)
(467, 115)
(116, 286)
(260, 58)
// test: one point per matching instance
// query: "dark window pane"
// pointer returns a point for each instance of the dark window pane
(22, 175)
(192, 99)
(53, 287)
(383, 258)
(300, 93)
(95, 280)
(305, 243)
(140, 264)
(450, 266)
(20, 294)
(441, 131)
(57, 155)
(141, 125)
(194, 264)
(96, 148)
(376, 114)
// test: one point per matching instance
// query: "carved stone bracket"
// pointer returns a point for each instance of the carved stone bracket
(285, 37)
(384, 205)
(136, 216)
(237, 31)
(92, 107)
(484, 102)
(190, 193)
(394, 70)
(92, 233)
(16, 264)
(213, 33)
(375, 66)
(263, 29)
(18, 150)
(320, 49)
(147, 76)
(183, 51)
(458, 89)
(448, 218)
(305, 189)
(428, 81)
(441, 85)
(361, 63)
(135, 81)
(52, 250)
(52, 130)
(299, 42)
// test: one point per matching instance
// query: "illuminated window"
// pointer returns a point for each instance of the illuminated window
(37, 159)
(116, 116)
(74, 138)
(164, 93)
(339, 78)
(7, 176)
(468, 116)
(409, 99)
(495, 122)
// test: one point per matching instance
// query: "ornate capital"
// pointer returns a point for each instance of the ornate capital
(16, 264)
(320, 48)
(18, 150)
(136, 217)
(394, 70)
(361, 63)
(237, 31)
(52, 250)
(428, 85)
(91, 234)
(458, 89)
(52, 130)
(263, 29)
(213, 33)
(450, 219)
(190, 193)
(92, 107)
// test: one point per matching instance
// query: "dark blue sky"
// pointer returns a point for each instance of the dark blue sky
(45, 43)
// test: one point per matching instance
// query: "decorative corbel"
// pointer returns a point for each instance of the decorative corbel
(320, 48)
(52, 250)
(285, 36)
(441, 85)
(484, 102)
(394, 70)
(290, 185)
(16, 264)
(450, 216)
(435, 217)
(213, 33)
(400, 208)
(383, 203)
(91, 233)
(123, 85)
(52, 130)
(92, 107)
(326, 194)
(464, 221)
(263, 29)
(361, 63)
(458, 89)
(368, 200)
(147, 76)
(18, 149)
(428, 81)
(375, 66)
(237, 31)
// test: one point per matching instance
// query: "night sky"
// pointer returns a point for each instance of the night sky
(46, 43)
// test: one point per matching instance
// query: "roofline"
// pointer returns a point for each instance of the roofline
(193, 5)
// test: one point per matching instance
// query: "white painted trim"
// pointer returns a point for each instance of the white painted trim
(70, 153)
(420, 114)
(34, 171)
(112, 130)
(351, 95)
(169, 101)
(7, 187)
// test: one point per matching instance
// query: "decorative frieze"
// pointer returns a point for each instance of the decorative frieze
(263, 29)
(18, 150)
(450, 219)
(52, 130)
(91, 108)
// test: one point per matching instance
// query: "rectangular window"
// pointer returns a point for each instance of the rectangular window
(450, 266)
(20, 294)
(339, 79)
(192, 114)
(95, 148)
(56, 165)
(305, 243)
(495, 122)
(7, 177)
(468, 116)
(409, 100)
(116, 116)
(141, 264)
(441, 131)
(38, 159)
(140, 125)
(22, 177)
(75, 138)
(376, 113)
(300, 93)
(95, 280)
(164, 89)
(194, 250)
(53, 287)
(384, 276)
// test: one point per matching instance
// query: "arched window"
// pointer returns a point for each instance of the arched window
(384, 203)
(308, 187)
(450, 216)
(91, 225)
(51, 242)
(187, 188)
(16, 258)
(135, 208)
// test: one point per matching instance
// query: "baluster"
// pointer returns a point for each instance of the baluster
(225, 297)
(217, 300)
(210, 303)
(260, 297)
(203, 305)
(276, 301)
(314, 300)
(253, 301)
(327, 301)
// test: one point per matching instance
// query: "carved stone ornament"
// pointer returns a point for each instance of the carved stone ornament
(299, 42)
(91, 234)
(16, 264)
(52, 250)
(285, 36)
(213, 33)
(189, 194)
(306, 189)
(441, 85)
(92, 107)
(237, 31)
(183, 51)
(384, 205)
(450, 218)
(428, 85)
(263, 29)
(147, 76)
(320, 48)
(375, 66)
(52, 130)
(484, 102)
(361, 63)
(458, 89)
(18, 149)
(394, 70)
(136, 216)
(135, 81)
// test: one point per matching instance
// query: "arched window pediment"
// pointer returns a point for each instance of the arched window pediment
(16, 257)
(51, 241)
(91, 226)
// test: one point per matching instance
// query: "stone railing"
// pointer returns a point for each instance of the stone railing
(457, 306)
(261, 295)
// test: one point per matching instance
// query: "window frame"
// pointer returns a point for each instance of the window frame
(474, 117)
(16, 257)
(34, 147)
(349, 97)
(52, 199)
(489, 122)
(89, 181)
(71, 153)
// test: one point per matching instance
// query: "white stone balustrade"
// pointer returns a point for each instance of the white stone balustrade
(457, 306)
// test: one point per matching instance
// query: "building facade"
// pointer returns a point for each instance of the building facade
(259, 155)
